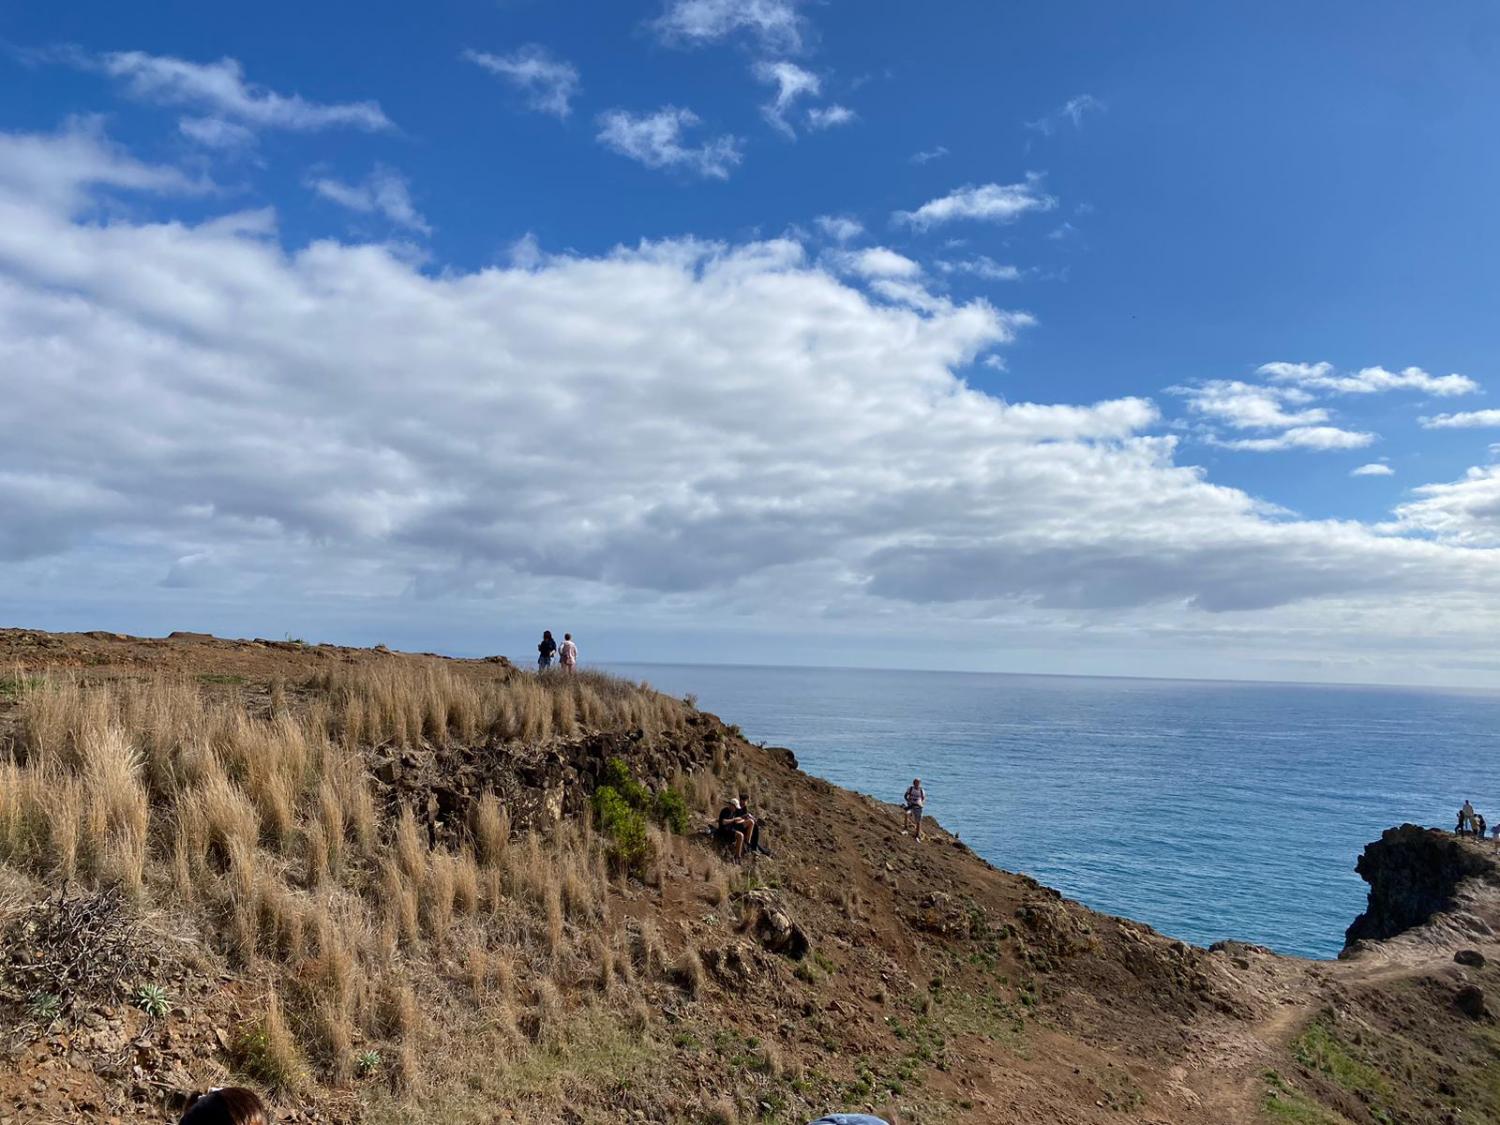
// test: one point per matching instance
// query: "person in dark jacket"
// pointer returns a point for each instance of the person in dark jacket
(229, 1105)
(545, 651)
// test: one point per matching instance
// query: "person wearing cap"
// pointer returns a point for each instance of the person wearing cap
(735, 827)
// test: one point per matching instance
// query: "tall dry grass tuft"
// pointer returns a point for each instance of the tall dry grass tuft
(491, 829)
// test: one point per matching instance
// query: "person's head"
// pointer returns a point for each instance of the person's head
(744, 800)
(567, 636)
(231, 1105)
(917, 782)
(734, 802)
(546, 634)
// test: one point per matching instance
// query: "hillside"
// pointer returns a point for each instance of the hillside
(387, 887)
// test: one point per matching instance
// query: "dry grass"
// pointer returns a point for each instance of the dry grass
(260, 824)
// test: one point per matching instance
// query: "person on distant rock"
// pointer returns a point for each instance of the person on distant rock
(569, 653)
(915, 801)
(735, 827)
(228, 1105)
(545, 651)
(1478, 823)
(1466, 818)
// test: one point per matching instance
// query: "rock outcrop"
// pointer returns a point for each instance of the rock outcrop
(1423, 879)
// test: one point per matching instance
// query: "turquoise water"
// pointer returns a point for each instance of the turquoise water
(1208, 810)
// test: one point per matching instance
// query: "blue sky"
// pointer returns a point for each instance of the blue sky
(1029, 337)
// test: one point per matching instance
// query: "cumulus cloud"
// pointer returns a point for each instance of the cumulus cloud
(995, 203)
(1463, 420)
(1367, 380)
(222, 89)
(1313, 438)
(549, 83)
(879, 261)
(383, 192)
(775, 25)
(1249, 406)
(1071, 111)
(981, 266)
(840, 228)
(723, 428)
(1465, 511)
(791, 82)
(65, 164)
(1373, 469)
(656, 140)
(830, 116)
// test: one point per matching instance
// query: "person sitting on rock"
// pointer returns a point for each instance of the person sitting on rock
(228, 1105)
(756, 824)
(735, 827)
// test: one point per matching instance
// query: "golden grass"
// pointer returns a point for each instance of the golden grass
(261, 825)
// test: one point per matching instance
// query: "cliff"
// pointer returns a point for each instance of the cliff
(388, 888)
(1427, 885)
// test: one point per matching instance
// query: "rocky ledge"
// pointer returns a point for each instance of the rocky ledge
(1428, 887)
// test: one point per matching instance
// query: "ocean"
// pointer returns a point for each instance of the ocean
(1206, 809)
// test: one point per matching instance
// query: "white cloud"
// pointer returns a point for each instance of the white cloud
(830, 116)
(221, 88)
(1312, 438)
(879, 261)
(1072, 110)
(791, 82)
(550, 84)
(1373, 469)
(982, 266)
(840, 228)
(656, 140)
(383, 192)
(198, 414)
(926, 156)
(1367, 380)
(775, 25)
(215, 132)
(1247, 406)
(63, 165)
(1465, 511)
(995, 203)
(1464, 420)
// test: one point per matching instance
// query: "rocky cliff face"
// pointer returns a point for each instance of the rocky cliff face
(1422, 879)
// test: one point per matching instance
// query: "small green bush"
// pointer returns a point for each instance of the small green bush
(672, 811)
(617, 776)
(629, 847)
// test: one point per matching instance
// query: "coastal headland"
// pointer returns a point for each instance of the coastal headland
(387, 887)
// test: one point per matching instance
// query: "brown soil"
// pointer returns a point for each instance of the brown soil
(937, 988)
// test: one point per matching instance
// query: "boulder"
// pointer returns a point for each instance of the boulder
(773, 927)
(1470, 1001)
(1471, 957)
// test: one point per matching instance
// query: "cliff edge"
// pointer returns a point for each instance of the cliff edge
(1427, 887)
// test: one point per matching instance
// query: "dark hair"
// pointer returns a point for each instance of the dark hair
(567, 636)
(231, 1105)
(547, 633)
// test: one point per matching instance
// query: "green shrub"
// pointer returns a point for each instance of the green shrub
(617, 776)
(625, 826)
(672, 811)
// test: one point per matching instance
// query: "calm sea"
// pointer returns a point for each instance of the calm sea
(1208, 810)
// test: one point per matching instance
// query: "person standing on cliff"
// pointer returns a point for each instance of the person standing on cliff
(1466, 818)
(545, 651)
(916, 801)
(569, 653)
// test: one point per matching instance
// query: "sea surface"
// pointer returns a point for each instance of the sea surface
(1208, 810)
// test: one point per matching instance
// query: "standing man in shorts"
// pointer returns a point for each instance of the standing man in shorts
(916, 801)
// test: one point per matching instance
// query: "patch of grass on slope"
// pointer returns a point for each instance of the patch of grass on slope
(1285, 1104)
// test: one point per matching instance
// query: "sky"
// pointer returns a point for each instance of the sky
(1067, 337)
